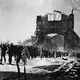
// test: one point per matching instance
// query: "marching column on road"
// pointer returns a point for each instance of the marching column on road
(16, 51)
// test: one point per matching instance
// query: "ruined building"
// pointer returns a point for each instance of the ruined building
(59, 23)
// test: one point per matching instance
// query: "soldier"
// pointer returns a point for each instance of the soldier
(41, 53)
(3, 52)
(25, 54)
(18, 52)
(10, 52)
(0, 53)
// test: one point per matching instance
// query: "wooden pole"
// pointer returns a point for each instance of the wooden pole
(18, 69)
(24, 73)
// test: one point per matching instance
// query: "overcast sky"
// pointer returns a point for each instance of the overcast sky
(18, 17)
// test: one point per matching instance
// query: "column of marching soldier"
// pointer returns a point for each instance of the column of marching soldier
(8, 51)
(19, 51)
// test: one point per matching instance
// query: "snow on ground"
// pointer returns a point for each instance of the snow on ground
(32, 63)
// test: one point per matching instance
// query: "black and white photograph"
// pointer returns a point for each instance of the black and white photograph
(39, 39)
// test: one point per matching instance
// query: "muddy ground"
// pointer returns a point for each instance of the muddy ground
(38, 69)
